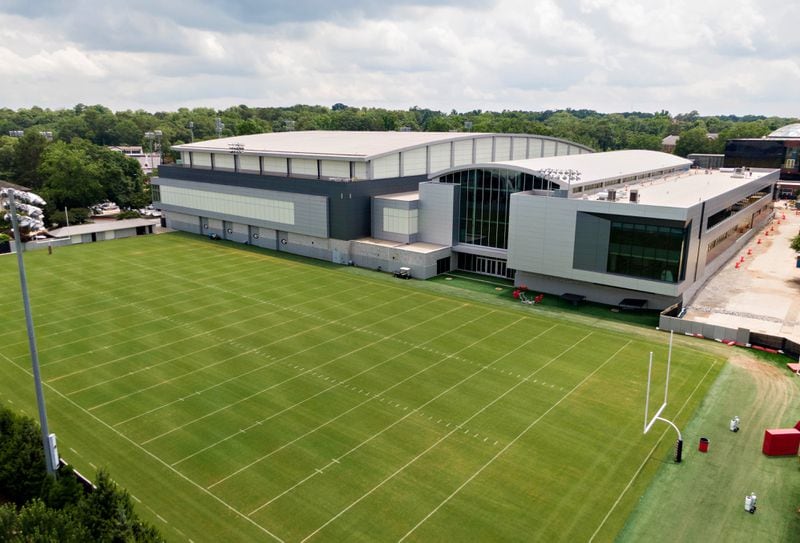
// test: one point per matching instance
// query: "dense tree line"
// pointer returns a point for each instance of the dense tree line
(101, 126)
(37, 507)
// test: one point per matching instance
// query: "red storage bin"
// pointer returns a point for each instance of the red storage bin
(781, 441)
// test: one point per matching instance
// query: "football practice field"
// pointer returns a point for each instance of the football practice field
(244, 395)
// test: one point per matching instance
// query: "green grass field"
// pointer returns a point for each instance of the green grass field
(244, 395)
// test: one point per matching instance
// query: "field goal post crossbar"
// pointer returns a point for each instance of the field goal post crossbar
(649, 424)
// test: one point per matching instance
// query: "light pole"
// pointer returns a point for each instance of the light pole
(31, 219)
(155, 141)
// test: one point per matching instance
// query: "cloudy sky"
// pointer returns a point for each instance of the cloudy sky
(713, 56)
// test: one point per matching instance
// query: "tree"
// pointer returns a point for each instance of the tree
(22, 462)
(70, 178)
(27, 157)
(694, 140)
(795, 243)
(37, 522)
(107, 512)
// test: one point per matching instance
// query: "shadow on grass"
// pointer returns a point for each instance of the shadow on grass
(503, 289)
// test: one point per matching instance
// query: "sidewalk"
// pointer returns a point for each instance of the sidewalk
(763, 295)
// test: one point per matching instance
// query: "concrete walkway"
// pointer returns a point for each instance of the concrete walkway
(763, 294)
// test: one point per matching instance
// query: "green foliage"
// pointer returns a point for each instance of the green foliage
(70, 178)
(795, 244)
(37, 522)
(4, 237)
(22, 463)
(58, 509)
(28, 153)
(131, 214)
(78, 215)
(694, 140)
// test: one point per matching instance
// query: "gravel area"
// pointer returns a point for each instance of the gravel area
(763, 294)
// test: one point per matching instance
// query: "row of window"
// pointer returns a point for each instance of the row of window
(735, 208)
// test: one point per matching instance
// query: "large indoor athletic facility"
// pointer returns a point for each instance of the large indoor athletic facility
(549, 213)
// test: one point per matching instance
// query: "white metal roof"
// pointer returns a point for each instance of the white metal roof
(788, 131)
(328, 143)
(101, 226)
(689, 187)
(337, 144)
(593, 167)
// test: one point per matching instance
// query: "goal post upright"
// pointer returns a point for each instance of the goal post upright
(657, 416)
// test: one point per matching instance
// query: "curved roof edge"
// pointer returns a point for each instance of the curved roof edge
(788, 131)
(350, 145)
(593, 167)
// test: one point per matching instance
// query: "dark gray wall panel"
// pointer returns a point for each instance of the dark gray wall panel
(349, 210)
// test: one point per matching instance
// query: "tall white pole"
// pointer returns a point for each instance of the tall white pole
(37, 378)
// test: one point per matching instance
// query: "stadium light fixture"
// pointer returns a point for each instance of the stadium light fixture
(24, 211)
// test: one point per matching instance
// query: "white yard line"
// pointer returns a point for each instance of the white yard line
(417, 409)
(154, 457)
(371, 398)
(310, 370)
(309, 398)
(513, 441)
(161, 346)
(647, 458)
(275, 361)
(184, 325)
(194, 353)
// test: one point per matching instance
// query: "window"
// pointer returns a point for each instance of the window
(650, 251)
(155, 191)
(485, 200)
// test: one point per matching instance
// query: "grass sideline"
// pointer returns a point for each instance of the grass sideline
(244, 394)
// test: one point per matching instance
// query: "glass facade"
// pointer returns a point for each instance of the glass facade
(649, 251)
(484, 265)
(485, 198)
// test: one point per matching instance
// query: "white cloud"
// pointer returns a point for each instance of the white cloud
(610, 55)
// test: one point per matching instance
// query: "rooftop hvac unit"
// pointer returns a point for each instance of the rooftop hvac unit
(612, 195)
(634, 196)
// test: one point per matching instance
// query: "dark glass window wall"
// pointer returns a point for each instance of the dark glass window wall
(647, 250)
(485, 199)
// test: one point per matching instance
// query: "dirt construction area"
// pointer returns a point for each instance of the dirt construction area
(763, 293)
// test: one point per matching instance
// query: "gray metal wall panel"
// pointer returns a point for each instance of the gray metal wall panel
(310, 211)
(591, 242)
(348, 203)
(438, 212)
(378, 205)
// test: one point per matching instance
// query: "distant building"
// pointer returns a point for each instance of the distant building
(707, 160)
(105, 230)
(668, 143)
(148, 161)
(777, 150)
